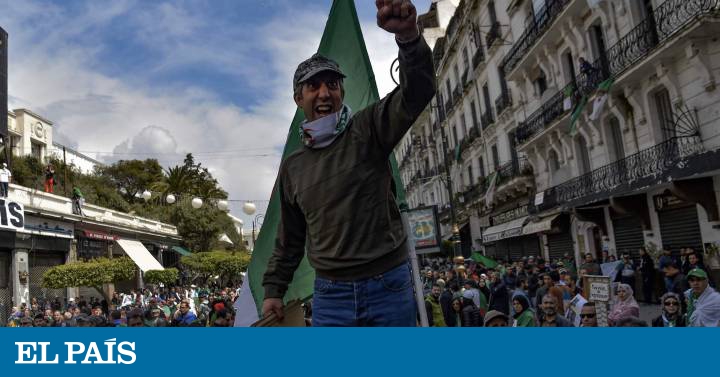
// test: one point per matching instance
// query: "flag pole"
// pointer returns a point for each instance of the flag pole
(415, 271)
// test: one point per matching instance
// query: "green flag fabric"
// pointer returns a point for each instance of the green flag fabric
(576, 115)
(486, 261)
(343, 42)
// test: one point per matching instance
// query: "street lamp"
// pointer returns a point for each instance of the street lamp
(257, 221)
(170, 199)
(196, 203)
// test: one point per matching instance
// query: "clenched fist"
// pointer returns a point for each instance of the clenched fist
(398, 17)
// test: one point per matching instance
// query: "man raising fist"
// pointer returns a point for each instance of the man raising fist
(336, 191)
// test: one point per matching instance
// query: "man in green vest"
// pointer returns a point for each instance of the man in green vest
(433, 308)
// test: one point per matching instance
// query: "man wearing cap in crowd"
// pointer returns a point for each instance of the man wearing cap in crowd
(337, 191)
(703, 302)
(676, 281)
(496, 318)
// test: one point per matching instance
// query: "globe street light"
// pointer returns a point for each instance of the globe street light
(146, 195)
(196, 203)
(249, 208)
(170, 199)
(223, 205)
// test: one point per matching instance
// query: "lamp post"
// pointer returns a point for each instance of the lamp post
(257, 221)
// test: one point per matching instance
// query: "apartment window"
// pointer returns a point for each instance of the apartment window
(569, 67)
(470, 174)
(553, 162)
(473, 113)
(449, 89)
(617, 151)
(495, 157)
(463, 124)
(457, 73)
(540, 83)
(584, 166)
(486, 94)
(481, 163)
(466, 57)
(665, 115)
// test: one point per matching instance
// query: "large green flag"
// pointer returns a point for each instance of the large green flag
(343, 42)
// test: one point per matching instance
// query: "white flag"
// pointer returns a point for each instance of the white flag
(598, 105)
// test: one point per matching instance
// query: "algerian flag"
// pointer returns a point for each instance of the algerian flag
(598, 105)
(486, 261)
(342, 41)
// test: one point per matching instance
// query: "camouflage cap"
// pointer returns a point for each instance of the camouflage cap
(314, 65)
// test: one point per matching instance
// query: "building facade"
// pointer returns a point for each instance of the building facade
(574, 126)
(30, 134)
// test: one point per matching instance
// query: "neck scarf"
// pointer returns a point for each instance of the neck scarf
(322, 132)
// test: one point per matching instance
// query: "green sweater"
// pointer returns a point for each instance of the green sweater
(526, 319)
(337, 202)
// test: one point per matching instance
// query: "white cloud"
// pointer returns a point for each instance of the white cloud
(98, 112)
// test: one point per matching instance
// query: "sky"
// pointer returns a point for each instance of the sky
(129, 79)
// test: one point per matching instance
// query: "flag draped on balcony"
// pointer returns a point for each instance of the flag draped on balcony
(342, 41)
(601, 96)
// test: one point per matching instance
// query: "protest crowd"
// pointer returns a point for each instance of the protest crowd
(161, 307)
(533, 292)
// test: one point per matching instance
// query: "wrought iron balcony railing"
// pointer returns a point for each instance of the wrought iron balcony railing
(503, 102)
(554, 109)
(492, 35)
(487, 119)
(664, 21)
(647, 163)
(512, 169)
(542, 21)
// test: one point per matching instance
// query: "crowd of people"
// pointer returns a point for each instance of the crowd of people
(164, 307)
(533, 292)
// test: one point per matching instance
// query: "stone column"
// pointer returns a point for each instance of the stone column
(20, 273)
(72, 292)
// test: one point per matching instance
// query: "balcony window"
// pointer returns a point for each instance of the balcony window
(540, 84)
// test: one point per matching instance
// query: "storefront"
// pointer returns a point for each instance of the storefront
(679, 225)
(95, 244)
(557, 231)
(506, 241)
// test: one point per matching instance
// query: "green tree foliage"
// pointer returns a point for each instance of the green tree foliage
(133, 177)
(167, 276)
(116, 187)
(93, 273)
(228, 265)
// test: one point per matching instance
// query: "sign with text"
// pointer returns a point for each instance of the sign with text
(12, 215)
(425, 229)
(599, 288)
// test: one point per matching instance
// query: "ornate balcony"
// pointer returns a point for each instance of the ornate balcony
(554, 109)
(533, 32)
(666, 20)
(669, 18)
(513, 169)
(647, 167)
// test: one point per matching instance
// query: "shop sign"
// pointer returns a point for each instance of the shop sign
(12, 215)
(510, 215)
(666, 201)
(425, 229)
(99, 235)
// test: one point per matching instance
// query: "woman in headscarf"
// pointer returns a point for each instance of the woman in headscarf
(672, 315)
(524, 316)
(625, 305)
(457, 311)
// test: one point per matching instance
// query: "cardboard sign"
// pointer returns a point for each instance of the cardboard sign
(598, 288)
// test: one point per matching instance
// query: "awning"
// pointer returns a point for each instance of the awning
(505, 230)
(140, 255)
(181, 251)
(544, 225)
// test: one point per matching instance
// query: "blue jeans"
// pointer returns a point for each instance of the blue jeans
(383, 300)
